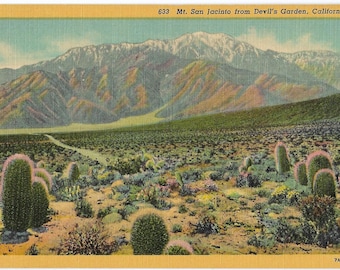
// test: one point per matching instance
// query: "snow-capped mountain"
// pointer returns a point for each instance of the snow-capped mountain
(194, 74)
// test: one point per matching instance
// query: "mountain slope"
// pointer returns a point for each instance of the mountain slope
(194, 74)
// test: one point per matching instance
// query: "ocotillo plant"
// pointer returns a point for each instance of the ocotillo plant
(300, 173)
(315, 162)
(17, 178)
(324, 183)
(281, 158)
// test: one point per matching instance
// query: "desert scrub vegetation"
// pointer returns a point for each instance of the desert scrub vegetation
(217, 189)
(90, 238)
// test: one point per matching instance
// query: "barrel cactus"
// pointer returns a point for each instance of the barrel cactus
(40, 204)
(324, 183)
(149, 235)
(16, 181)
(315, 162)
(300, 173)
(45, 175)
(281, 158)
(72, 172)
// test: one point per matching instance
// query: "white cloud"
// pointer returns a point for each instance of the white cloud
(65, 43)
(11, 57)
(268, 40)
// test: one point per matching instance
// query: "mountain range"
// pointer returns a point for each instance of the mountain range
(195, 74)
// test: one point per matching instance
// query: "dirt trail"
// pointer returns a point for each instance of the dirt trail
(88, 153)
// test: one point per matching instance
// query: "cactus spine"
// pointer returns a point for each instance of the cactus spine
(315, 162)
(17, 178)
(281, 158)
(324, 183)
(300, 173)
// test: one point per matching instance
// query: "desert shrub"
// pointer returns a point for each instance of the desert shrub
(262, 241)
(70, 194)
(324, 183)
(216, 175)
(178, 247)
(284, 232)
(176, 250)
(105, 211)
(138, 179)
(162, 204)
(153, 194)
(264, 193)
(319, 219)
(112, 218)
(176, 228)
(191, 175)
(182, 209)
(293, 197)
(300, 173)
(210, 185)
(246, 179)
(129, 166)
(124, 189)
(127, 210)
(84, 209)
(207, 224)
(281, 158)
(275, 208)
(319, 210)
(88, 239)
(40, 204)
(17, 176)
(186, 190)
(32, 250)
(279, 195)
(315, 162)
(149, 235)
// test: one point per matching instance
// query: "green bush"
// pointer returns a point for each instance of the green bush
(176, 250)
(84, 209)
(129, 166)
(324, 183)
(207, 225)
(17, 192)
(315, 162)
(112, 218)
(176, 228)
(178, 247)
(149, 235)
(281, 158)
(106, 211)
(40, 204)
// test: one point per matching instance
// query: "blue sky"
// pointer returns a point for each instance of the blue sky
(31, 40)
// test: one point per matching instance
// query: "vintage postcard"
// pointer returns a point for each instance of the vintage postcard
(131, 133)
